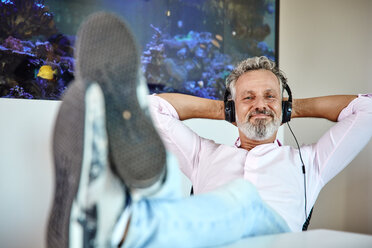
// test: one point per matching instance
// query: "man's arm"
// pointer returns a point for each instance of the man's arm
(189, 107)
(344, 140)
(328, 107)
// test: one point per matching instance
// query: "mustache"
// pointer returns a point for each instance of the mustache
(261, 111)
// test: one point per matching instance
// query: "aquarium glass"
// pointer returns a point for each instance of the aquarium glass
(187, 46)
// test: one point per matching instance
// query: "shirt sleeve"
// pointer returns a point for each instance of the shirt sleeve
(340, 145)
(177, 137)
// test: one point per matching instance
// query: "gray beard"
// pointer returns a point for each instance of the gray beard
(259, 130)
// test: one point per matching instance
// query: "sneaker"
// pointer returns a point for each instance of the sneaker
(105, 146)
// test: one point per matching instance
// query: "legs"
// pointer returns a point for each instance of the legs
(108, 156)
(98, 157)
(226, 215)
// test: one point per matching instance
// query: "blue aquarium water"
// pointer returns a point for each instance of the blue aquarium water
(188, 46)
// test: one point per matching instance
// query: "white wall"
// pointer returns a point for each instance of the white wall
(326, 48)
(26, 171)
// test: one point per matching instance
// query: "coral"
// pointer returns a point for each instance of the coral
(241, 22)
(61, 44)
(13, 43)
(11, 59)
(24, 19)
(18, 92)
(43, 50)
(191, 64)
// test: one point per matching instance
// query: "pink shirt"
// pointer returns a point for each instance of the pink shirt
(275, 170)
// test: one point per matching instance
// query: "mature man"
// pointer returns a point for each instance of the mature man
(258, 157)
(114, 187)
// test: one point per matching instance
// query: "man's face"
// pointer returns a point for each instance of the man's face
(258, 104)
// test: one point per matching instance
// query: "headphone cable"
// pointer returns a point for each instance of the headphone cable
(303, 166)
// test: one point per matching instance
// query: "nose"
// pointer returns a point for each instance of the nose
(259, 104)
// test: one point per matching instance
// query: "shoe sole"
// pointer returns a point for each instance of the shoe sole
(67, 151)
(107, 54)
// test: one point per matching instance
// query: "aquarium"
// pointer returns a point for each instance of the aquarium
(187, 46)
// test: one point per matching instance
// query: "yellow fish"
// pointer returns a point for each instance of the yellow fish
(47, 72)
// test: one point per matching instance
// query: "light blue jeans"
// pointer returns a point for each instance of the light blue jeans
(233, 212)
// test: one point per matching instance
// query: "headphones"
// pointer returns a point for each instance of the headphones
(286, 105)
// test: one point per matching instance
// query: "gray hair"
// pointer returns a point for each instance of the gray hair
(251, 64)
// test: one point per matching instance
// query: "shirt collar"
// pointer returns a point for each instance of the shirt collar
(238, 142)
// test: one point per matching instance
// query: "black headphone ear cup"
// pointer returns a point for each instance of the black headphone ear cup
(230, 111)
(287, 105)
(286, 111)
